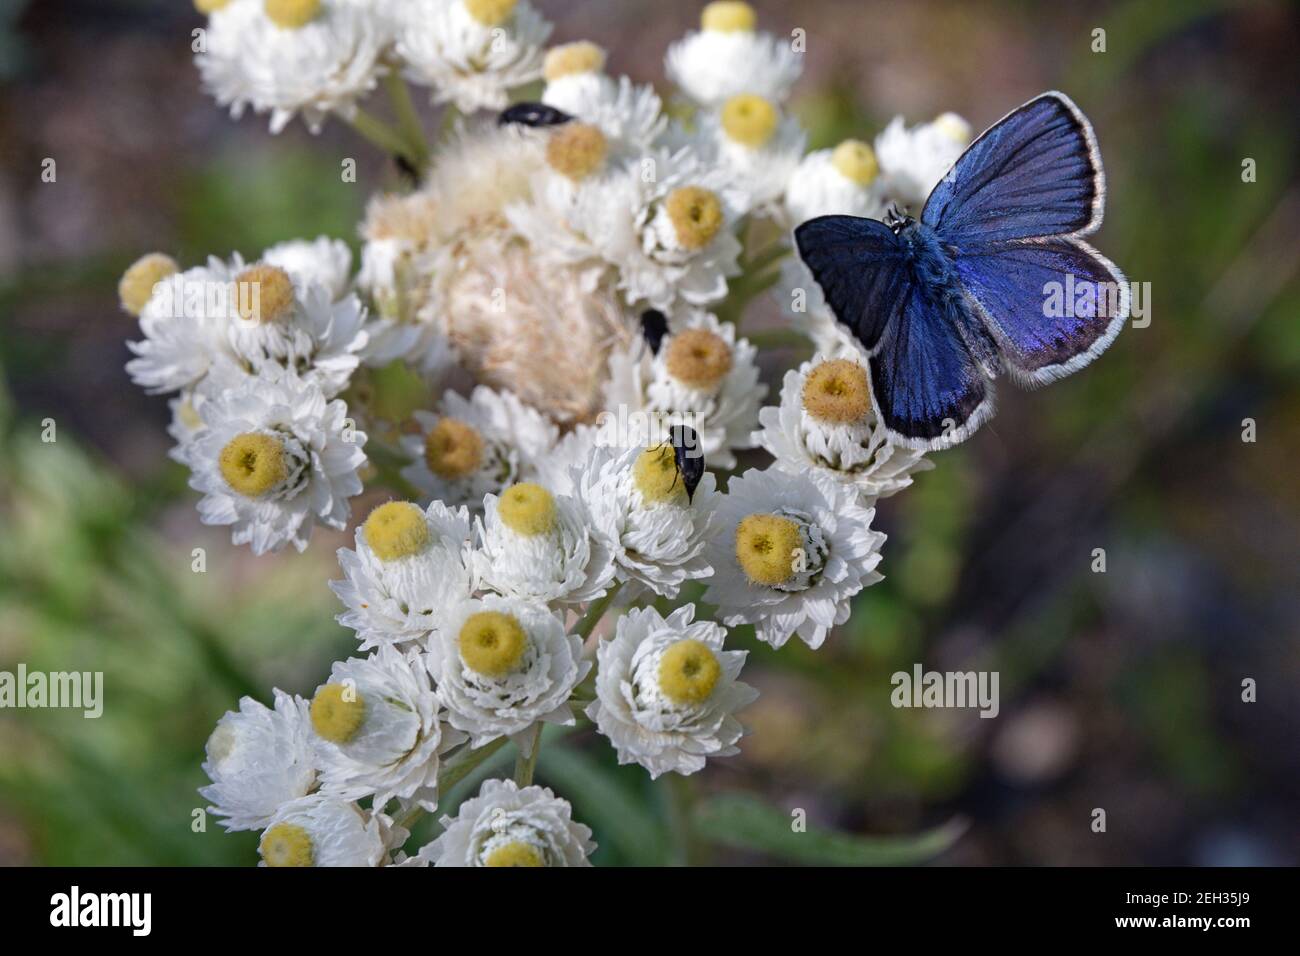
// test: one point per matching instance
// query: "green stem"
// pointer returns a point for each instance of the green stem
(453, 772)
(772, 253)
(526, 766)
(408, 120)
(596, 612)
(382, 135)
(681, 808)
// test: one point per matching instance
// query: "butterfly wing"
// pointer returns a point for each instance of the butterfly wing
(1051, 305)
(1012, 210)
(859, 265)
(1036, 172)
(929, 390)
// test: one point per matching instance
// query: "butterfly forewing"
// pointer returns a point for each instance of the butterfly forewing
(1036, 172)
(858, 264)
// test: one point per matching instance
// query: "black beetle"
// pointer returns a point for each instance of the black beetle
(654, 326)
(688, 455)
(533, 114)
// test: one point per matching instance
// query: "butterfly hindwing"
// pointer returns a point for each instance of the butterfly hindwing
(1052, 305)
(1036, 172)
(858, 264)
(929, 390)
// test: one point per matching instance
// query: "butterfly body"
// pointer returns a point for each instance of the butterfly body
(945, 303)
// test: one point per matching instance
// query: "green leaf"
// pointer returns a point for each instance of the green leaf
(747, 823)
(605, 805)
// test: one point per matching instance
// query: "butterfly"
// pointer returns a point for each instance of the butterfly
(994, 277)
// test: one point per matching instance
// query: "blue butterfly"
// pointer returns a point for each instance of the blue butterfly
(945, 304)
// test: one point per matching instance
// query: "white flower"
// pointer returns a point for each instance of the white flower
(476, 445)
(630, 115)
(638, 502)
(258, 760)
(286, 319)
(472, 52)
(758, 147)
(312, 57)
(788, 552)
(728, 57)
(540, 547)
(185, 424)
(826, 424)
(702, 376)
(501, 665)
(378, 729)
(507, 826)
(273, 458)
(912, 161)
(576, 450)
(185, 324)
(671, 235)
(322, 261)
(408, 567)
(666, 691)
(834, 182)
(322, 830)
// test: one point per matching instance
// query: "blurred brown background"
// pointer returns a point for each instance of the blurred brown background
(1119, 690)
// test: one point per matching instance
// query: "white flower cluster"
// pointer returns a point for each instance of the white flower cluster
(582, 263)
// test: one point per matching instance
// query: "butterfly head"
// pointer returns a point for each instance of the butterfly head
(896, 218)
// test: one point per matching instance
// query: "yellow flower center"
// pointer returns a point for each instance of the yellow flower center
(688, 672)
(696, 215)
(253, 463)
(209, 6)
(836, 392)
(492, 643)
(527, 509)
(954, 127)
(396, 530)
(292, 14)
(286, 844)
(749, 119)
(655, 475)
(263, 294)
(490, 13)
(136, 288)
(515, 853)
(728, 16)
(453, 449)
(572, 58)
(856, 161)
(766, 548)
(698, 358)
(337, 712)
(576, 150)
